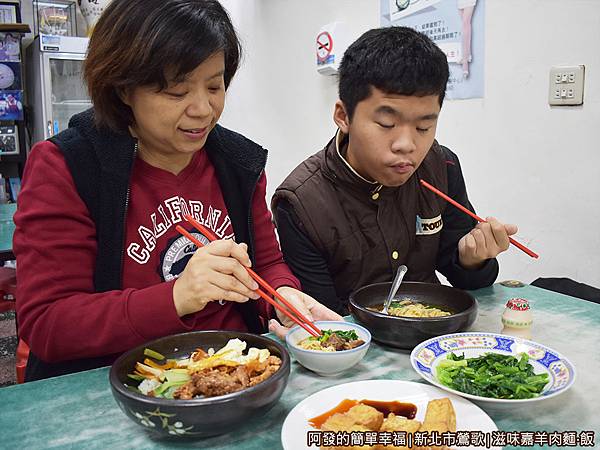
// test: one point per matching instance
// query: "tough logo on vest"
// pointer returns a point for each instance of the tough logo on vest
(429, 226)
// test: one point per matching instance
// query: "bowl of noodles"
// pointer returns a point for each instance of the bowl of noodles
(418, 312)
(341, 346)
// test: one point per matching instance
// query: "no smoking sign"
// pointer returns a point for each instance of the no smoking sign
(324, 47)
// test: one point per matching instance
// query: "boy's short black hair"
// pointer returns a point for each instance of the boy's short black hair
(151, 43)
(395, 60)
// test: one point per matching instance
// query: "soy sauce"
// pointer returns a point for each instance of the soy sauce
(407, 410)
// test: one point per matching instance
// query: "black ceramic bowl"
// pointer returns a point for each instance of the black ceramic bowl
(407, 332)
(202, 417)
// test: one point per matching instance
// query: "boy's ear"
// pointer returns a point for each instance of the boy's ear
(340, 117)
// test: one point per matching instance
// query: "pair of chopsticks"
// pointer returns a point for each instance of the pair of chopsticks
(475, 216)
(291, 312)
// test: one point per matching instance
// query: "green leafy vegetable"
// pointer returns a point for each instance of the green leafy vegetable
(349, 335)
(492, 375)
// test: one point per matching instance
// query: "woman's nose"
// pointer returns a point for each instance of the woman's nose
(199, 106)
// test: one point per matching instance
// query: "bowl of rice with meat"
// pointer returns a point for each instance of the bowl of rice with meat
(200, 384)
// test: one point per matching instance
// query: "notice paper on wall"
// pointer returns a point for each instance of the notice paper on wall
(457, 27)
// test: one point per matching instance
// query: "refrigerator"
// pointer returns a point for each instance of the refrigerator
(55, 87)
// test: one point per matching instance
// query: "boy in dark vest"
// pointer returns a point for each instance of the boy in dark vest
(349, 215)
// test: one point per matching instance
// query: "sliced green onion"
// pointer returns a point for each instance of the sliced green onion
(135, 377)
(166, 385)
(153, 354)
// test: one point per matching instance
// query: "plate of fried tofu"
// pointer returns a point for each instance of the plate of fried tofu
(359, 415)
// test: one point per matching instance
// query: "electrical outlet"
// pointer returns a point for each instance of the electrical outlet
(566, 85)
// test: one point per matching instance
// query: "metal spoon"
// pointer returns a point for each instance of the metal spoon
(395, 286)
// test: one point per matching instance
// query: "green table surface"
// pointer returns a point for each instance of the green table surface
(78, 410)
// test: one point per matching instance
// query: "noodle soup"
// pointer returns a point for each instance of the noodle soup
(408, 308)
(323, 358)
(332, 341)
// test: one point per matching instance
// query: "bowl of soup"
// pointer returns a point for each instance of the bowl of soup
(341, 346)
(419, 311)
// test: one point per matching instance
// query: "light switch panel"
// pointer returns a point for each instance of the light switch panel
(566, 85)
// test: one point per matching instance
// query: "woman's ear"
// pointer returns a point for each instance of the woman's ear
(340, 117)
(124, 95)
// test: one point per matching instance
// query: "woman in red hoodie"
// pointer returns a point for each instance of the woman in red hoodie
(101, 267)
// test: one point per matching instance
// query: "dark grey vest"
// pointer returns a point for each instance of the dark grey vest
(100, 162)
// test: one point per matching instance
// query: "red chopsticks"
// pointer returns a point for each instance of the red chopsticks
(292, 313)
(474, 216)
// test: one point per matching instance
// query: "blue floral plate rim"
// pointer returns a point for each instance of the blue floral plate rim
(549, 362)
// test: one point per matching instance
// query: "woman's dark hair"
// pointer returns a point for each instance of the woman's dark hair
(150, 43)
(395, 60)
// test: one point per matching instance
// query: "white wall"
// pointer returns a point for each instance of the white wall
(524, 162)
(278, 98)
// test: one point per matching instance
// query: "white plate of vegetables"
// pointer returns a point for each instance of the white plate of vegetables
(492, 367)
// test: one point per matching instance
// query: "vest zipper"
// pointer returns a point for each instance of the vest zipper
(377, 189)
(135, 150)
(375, 192)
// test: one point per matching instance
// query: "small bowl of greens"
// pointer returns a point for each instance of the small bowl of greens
(341, 346)
(493, 367)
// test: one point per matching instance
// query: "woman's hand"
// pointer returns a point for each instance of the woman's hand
(487, 240)
(308, 306)
(215, 272)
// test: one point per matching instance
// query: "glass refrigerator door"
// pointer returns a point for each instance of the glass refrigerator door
(68, 95)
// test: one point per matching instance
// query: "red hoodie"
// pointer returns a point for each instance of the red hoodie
(60, 316)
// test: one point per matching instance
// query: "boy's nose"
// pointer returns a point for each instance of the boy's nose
(404, 142)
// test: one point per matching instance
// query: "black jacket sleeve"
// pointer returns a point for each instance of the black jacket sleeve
(306, 262)
(456, 225)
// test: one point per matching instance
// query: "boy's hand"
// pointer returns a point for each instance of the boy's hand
(487, 240)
